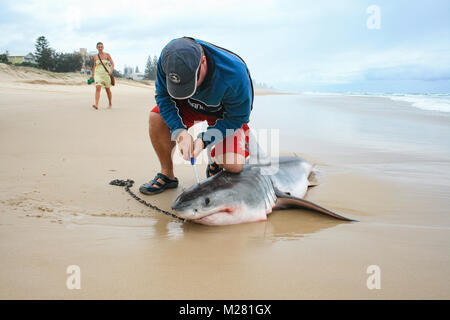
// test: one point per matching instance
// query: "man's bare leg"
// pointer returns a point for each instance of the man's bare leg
(160, 137)
(231, 162)
(109, 93)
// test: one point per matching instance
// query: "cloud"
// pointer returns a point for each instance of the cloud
(408, 72)
(320, 43)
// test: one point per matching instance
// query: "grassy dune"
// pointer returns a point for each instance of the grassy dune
(32, 75)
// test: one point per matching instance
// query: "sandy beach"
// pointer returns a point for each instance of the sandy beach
(381, 161)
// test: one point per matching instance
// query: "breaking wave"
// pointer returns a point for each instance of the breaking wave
(429, 102)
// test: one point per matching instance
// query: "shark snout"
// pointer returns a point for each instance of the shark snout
(179, 205)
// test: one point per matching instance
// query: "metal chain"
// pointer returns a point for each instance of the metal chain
(128, 184)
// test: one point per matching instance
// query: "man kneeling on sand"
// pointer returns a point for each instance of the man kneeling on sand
(199, 81)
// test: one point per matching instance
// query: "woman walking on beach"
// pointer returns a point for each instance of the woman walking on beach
(102, 71)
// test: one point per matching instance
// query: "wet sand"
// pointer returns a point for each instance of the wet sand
(57, 209)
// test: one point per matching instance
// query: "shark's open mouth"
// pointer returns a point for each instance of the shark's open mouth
(206, 215)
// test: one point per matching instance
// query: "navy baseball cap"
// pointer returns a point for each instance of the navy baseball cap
(180, 61)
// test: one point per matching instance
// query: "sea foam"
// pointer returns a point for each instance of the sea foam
(431, 102)
(428, 102)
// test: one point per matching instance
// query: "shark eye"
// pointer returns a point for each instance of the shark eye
(207, 201)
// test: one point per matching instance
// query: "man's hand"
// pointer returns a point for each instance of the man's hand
(198, 147)
(186, 144)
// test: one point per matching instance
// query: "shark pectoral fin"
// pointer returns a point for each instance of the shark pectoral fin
(284, 200)
(313, 178)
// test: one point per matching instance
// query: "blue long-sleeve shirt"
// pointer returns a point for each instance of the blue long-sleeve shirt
(226, 92)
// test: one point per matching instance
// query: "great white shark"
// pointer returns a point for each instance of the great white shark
(249, 196)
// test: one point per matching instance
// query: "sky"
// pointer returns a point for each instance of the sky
(329, 46)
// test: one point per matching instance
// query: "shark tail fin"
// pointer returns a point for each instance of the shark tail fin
(284, 201)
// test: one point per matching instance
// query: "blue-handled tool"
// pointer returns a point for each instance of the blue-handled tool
(195, 169)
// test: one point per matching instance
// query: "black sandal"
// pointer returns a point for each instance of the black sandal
(149, 188)
(212, 169)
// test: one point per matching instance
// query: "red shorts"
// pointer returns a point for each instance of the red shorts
(236, 143)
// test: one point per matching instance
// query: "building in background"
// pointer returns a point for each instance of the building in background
(137, 76)
(128, 73)
(87, 59)
(17, 58)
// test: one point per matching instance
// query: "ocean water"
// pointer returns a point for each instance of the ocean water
(433, 102)
(399, 134)
(430, 102)
(393, 122)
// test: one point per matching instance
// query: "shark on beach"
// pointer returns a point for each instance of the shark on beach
(251, 195)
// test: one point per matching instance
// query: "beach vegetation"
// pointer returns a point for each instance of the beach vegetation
(48, 59)
(44, 54)
(150, 68)
(4, 58)
(89, 62)
(26, 64)
(67, 62)
(117, 74)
